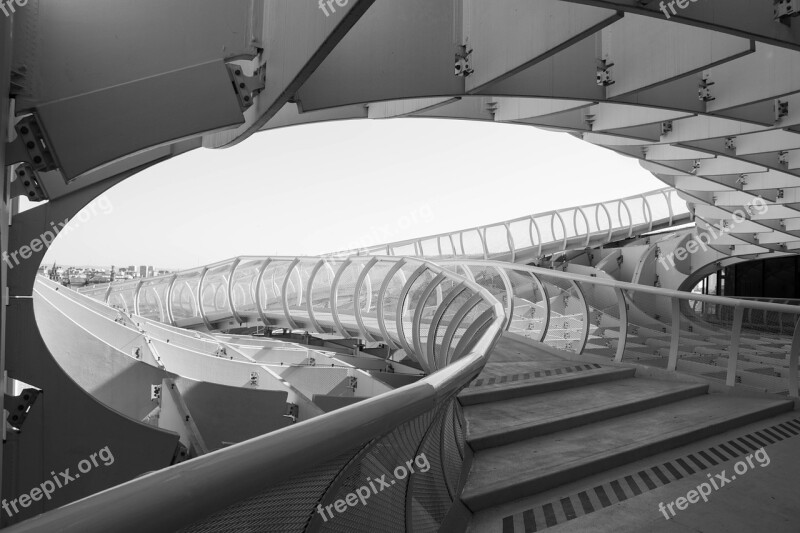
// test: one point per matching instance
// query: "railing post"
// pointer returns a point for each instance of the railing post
(168, 306)
(647, 212)
(229, 293)
(285, 292)
(623, 324)
(672, 365)
(259, 303)
(546, 303)
(586, 317)
(794, 356)
(667, 194)
(736, 334)
(356, 302)
(511, 245)
(535, 226)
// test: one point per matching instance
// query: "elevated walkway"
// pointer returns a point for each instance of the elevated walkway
(547, 447)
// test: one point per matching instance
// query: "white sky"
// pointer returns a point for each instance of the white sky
(319, 188)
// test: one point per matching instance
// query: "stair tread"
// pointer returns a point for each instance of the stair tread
(506, 415)
(529, 386)
(526, 461)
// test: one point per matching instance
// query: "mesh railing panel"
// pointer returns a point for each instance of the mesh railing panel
(386, 509)
(430, 497)
(285, 508)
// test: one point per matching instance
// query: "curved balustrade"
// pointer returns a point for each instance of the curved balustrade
(406, 303)
(447, 316)
(533, 236)
(710, 336)
(395, 301)
(447, 322)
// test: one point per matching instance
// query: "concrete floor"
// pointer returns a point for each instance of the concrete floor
(762, 499)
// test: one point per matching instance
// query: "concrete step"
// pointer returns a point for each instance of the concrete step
(527, 467)
(518, 389)
(505, 422)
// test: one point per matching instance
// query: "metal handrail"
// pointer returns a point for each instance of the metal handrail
(664, 193)
(171, 498)
(737, 305)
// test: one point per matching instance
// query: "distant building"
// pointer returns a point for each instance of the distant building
(142, 271)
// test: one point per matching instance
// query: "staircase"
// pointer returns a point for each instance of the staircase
(536, 421)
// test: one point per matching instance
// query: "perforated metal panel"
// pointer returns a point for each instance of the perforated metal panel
(285, 508)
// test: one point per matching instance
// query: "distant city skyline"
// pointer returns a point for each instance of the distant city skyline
(315, 189)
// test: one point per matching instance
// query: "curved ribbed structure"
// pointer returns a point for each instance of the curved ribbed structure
(704, 94)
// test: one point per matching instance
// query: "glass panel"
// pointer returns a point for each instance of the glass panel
(153, 299)
(300, 310)
(455, 239)
(270, 290)
(604, 319)
(622, 219)
(658, 206)
(566, 314)
(580, 222)
(556, 228)
(345, 297)
(392, 296)
(214, 292)
(96, 292)
(243, 287)
(440, 352)
(430, 247)
(472, 243)
(638, 210)
(183, 301)
(489, 278)
(406, 250)
(471, 316)
(122, 296)
(369, 296)
(429, 308)
(446, 246)
(521, 233)
(591, 214)
(321, 295)
(294, 296)
(602, 219)
(764, 346)
(530, 306)
(568, 216)
(411, 303)
(545, 229)
(497, 240)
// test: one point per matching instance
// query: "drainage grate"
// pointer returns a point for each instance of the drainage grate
(618, 490)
